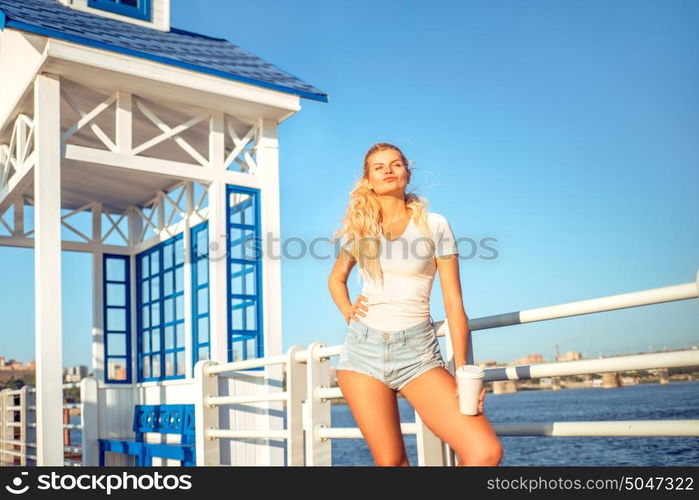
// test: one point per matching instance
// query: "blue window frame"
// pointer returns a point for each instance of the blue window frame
(160, 298)
(201, 344)
(138, 9)
(116, 292)
(244, 274)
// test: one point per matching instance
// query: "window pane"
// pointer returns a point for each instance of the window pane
(146, 366)
(155, 314)
(179, 279)
(179, 251)
(179, 307)
(145, 268)
(169, 364)
(203, 330)
(155, 288)
(155, 340)
(145, 317)
(116, 344)
(116, 369)
(243, 278)
(145, 291)
(202, 271)
(237, 351)
(116, 269)
(243, 244)
(169, 337)
(203, 301)
(168, 283)
(167, 256)
(202, 241)
(179, 329)
(241, 208)
(243, 314)
(156, 366)
(116, 320)
(251, 348)
(169, 306)
(146, 341)
(180, 363)
(116, 295)
(203, 353)
(155, 262)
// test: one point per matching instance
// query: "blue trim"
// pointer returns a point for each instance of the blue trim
(195, 257)
(142, 11)
(173, 62)
(162, 298)
(257, 333)
(106, 306)
(2, 20)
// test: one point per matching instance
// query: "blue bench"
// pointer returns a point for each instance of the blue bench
(162, 419)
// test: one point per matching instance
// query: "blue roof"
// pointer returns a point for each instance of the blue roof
(177, 47)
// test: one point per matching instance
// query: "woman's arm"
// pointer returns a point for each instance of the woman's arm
(337, 282)
(448, 267)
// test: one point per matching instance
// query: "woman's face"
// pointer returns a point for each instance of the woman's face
(387, 172)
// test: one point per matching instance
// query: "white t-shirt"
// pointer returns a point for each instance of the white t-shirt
(408, 273)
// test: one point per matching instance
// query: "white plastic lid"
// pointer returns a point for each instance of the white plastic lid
(470, 371)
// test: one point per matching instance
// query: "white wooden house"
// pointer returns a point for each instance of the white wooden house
(156, 150)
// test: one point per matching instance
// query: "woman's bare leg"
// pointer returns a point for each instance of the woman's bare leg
(471, 436)
(375, 409)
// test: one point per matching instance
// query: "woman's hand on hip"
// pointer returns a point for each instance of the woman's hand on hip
(356, 309)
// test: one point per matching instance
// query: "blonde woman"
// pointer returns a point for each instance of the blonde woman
(391, 344)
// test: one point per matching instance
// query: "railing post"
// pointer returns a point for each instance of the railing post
(24, 419)
(89, 421)
(296, 390)
(430, 449)
(208, 450)
(317, 411)
(449, 457)
(3, 428)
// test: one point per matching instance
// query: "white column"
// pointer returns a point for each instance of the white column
(188, 289)
(268, 167)
(218, 246)
(135, 230)
(98, 361)
(47, 265)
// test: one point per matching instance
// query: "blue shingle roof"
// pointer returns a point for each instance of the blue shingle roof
(181, 48)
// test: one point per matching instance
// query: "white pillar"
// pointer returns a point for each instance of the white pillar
(98, 361)
(187, 245)
(268, 167)
(218, 246)
(47, 265)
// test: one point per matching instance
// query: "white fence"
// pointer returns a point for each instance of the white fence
(18, 426)
(308, 395)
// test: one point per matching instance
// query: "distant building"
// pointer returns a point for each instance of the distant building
(10, 368)
(75, 373)
(569, 356)
(529, 359)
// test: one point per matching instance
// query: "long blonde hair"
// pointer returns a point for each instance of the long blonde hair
(361, 226)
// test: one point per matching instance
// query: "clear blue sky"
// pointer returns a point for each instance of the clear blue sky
(568, 131)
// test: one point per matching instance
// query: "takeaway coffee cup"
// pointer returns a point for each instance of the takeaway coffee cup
(469, 381)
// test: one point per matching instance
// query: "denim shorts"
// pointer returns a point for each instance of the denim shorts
(393, 357)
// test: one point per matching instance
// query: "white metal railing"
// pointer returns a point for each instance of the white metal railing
(18, 426)
(308, 395)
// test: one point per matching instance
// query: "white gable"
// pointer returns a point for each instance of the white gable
(159, 11)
